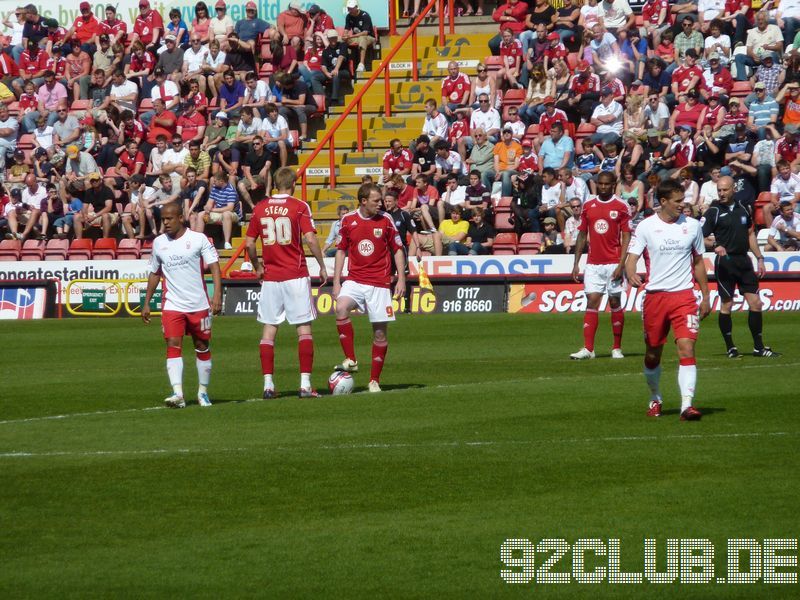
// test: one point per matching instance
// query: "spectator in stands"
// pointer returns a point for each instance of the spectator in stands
(425, 197)
(221, 25)
(763, 113)
(140, 68)
(771, 74)
(149, 26)
(177, 27)
(17, 171)
(66, 128)
(552, 242)
(231, 94)
(297, 101)
(538, 45)
(540, 87)
(193, 58)
(454, 194)
(571, 225)
(689, 113)
(249, 127)
(717, 80)
(311, 67)
(199, 161)
(557, 151)
(607, 118)
(617, 15)
(79, 164)
(587, 162)
(256, 171)
(788, 19)
(319, 22)
(191, 124)
(567, 21)
(511, 15)
(193, 196)
(552, 199)
(404, 191)
(789, 96)
(256, 94)
(487, 118)
(358, 30)
(424, 158)
(655, 15)
(335, 66)
(455, 92)
(284, 59)
(98, 207)
(761, 40)
(241, 59)
(511, 52)
(477, 195)
(482, 83)
(481, 157)
(525, 200)
(717, 43)
(223, 207)
(396, 160)
(213, 66)
(447, 161)
(32, 65)
(507, 154)
(785, 187)
(655, 80)
(517, 126)
(291, 25)
(435, 125)
(171, 59)
(174, 161)
(122, 95)
(140, 197)
(226, 162)
(453, 231)
(51, 95)
(573, 187)
(688, 39)
(329, 249)
(682, 153)
(84, 29)
(116, 29)
(276, 135)
(584, 92)
(784, 232)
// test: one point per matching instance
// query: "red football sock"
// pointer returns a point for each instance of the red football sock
(267, 350)
(378, 356)
(617, 325)
(589, 328)
(305, 350)
(346, 337)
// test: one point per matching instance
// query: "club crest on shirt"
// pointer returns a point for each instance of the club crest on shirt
(366, 248)
(613, 214)
(377, 232)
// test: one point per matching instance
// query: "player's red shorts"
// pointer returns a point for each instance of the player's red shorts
(664, 309)
(177, 324)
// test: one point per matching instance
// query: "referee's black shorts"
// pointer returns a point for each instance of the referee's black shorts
(735, 270)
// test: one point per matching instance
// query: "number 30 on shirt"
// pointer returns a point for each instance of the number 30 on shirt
(276, 230)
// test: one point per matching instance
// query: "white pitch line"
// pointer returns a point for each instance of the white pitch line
(401, 446)
(399, 390)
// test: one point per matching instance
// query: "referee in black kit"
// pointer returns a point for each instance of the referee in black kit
(731, 224)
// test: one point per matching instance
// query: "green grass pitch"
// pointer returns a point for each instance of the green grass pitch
(486, 431)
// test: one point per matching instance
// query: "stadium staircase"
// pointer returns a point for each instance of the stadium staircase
(407, 98)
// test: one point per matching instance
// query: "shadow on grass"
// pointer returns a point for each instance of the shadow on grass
(707, 411)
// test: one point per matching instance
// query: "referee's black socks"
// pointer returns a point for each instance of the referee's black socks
(726, 328)
(755, 322)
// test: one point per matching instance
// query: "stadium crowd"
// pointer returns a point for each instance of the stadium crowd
(100, 125)
(686, 90)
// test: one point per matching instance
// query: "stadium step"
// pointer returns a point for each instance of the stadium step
(348, 158)
(408, 92)
(456, 47)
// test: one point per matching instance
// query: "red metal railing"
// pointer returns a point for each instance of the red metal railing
(328, 140)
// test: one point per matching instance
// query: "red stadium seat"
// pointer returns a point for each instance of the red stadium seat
(572, 60)
(320, 101)
(266, 51)
(79, 105)
(530, 243)
(32, 250)
(741, 89)
(13, 109)
(146, 105)
(56, 250)
(129, 249)
(295, 138)
(147, 249)
(505, 243)
(9, 250)
(503, 205)
(493, 63)
(514, 97)
(265, 71)
(26, 142)
(105, 249)
(502, 222)
(80, 250)
(533, 130)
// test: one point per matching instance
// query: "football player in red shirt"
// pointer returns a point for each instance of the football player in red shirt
(283, 222)
(370, 241)
(605, 222)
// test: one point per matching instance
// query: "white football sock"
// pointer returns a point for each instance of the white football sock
(653, 377)
(268, 384)
(203, 375)
(687, 378)
(305, 381)
(175, 373)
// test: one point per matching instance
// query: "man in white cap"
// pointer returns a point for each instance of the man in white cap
(335, 69)
(292, 24)
(171, 59)
(358, 31)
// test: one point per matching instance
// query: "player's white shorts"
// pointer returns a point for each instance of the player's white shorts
(597, 280)
(286, 301)
(375, 301)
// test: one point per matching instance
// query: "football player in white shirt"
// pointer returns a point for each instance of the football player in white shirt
(675, 247)
(178, 256)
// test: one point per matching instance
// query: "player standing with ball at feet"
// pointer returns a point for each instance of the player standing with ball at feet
(283, 222)
(674, 244)
(370, 241)
(605, 224)
(732, 227)
(178, 256)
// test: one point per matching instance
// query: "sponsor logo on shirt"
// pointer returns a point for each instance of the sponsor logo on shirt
(601, 226)
(366, 248)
